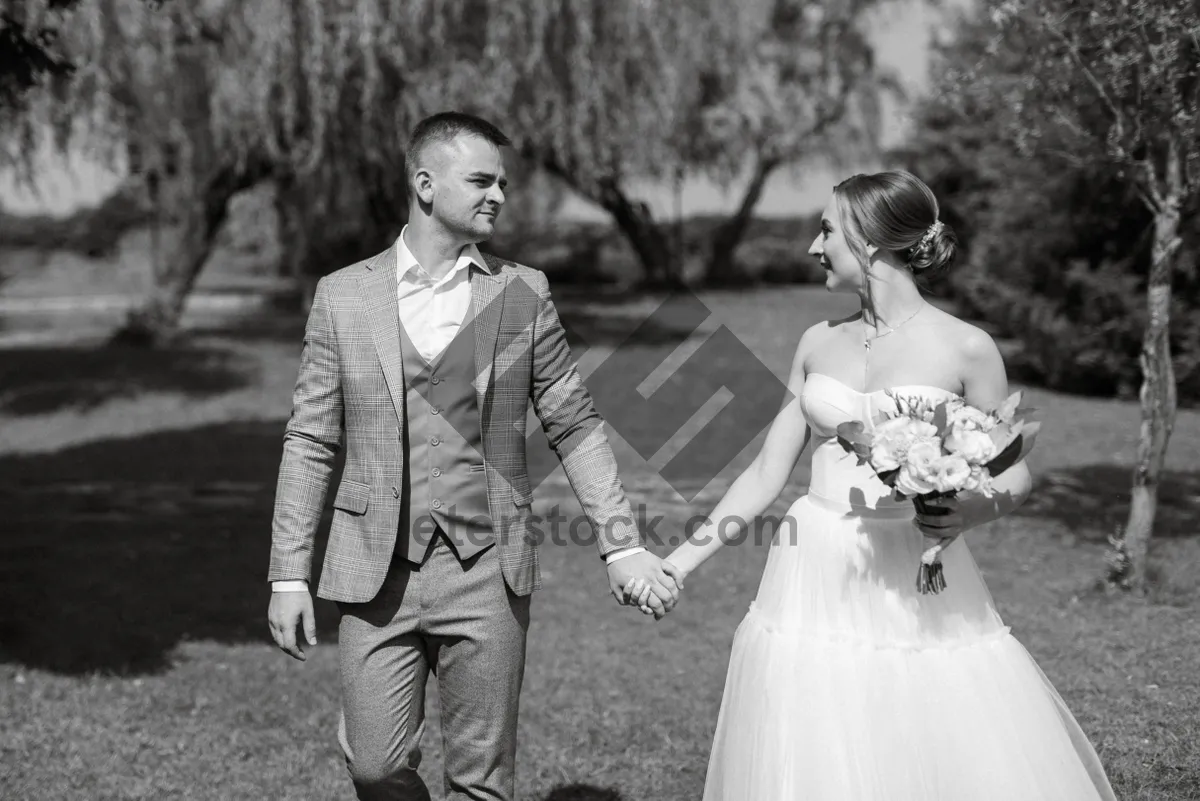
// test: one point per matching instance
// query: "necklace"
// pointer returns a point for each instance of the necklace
(868, 340)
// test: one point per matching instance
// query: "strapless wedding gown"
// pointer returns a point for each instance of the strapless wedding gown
(846, 684)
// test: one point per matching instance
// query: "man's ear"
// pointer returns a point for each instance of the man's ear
(423, 185)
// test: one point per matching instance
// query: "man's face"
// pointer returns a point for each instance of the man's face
(463, 182)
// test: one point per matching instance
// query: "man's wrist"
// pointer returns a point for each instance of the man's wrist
(615, 555)
(294, 585)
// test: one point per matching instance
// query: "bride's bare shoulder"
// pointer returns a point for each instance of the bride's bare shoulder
(815, 336)
(973, 346)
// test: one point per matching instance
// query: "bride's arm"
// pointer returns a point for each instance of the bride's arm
(985, 386)
(760, 484)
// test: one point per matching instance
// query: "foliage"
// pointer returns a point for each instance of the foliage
(28, 51)
(1058, 249)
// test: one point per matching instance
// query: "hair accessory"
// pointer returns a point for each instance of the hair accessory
(930, 233)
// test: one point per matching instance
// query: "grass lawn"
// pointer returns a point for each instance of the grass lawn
(135, 662)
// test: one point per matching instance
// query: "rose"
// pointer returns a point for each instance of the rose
(951, 473)
(973, 445)
(893, 439)
(980, 481)
(916, 475)
(963, 417)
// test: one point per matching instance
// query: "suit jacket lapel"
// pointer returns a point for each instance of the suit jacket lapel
(487, 302)
(383, 316)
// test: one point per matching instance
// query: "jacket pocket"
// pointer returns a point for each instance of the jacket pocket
(477, 468)
(352, 497)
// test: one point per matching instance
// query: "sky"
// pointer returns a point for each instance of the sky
(901, 33)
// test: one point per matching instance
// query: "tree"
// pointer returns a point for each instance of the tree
(1114, 84)
(28, 52)
(601, 91)
(204, 99)
(804, 84)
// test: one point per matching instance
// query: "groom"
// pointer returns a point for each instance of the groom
(424, 360)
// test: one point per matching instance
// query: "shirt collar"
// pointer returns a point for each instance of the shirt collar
(406, 262)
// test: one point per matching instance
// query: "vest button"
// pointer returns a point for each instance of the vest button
(395, 492)
(435, 380)
(437, 471)
(435, 441)
(436, 504)
(435, 410)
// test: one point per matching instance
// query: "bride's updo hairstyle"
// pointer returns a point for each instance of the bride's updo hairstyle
(896, 211)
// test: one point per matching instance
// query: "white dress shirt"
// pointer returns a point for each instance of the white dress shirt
(432, 312)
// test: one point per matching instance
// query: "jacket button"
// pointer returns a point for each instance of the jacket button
(437, 471)
(395, 492)
(437, 504)
(435, 380)
(435, 410)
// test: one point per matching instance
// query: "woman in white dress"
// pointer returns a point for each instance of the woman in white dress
(845, 683)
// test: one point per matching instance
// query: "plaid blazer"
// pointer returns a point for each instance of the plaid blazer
(351, 389)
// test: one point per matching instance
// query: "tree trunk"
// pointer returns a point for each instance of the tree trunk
(633, 219)
(210, 178)
(1158, 390)
(721, 268)
(156, 320)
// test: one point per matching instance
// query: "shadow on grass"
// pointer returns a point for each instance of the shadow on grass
(1093, 501)
(583, 792)
(115, 552)
(40, 380)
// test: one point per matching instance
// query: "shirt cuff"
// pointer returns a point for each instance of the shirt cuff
(615, 555)
(299, 585)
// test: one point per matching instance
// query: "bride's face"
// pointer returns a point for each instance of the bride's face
(843, 273)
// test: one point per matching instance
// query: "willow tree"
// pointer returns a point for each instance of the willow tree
(804, 84)
(1116, 84)
(599, 91)
(201, 100)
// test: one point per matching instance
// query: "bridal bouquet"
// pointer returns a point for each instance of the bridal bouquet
(930, 450)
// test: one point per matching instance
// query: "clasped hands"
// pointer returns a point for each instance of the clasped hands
(646, 581)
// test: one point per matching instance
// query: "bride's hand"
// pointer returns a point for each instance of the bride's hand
(940, 519)
(637, 593)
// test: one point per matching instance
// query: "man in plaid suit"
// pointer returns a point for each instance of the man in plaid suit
(424, 360)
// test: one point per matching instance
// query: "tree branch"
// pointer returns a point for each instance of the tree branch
(1118, 118)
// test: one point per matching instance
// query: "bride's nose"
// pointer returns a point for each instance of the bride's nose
(815, 248)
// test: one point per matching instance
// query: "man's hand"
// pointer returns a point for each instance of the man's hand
(664, 582)
(288, 610)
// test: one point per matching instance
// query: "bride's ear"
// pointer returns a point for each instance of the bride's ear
(871, 250)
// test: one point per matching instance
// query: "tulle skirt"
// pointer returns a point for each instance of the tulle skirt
(846, 684)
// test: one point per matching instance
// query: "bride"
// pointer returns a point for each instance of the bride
(844, 682)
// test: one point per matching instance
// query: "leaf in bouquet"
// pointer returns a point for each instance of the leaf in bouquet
(853, 438)
(1016, 450)
(1008, 409)
(1002, 435)
(888, 477)
(941, 418)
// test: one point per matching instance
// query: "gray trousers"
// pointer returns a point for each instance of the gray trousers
(459, 620)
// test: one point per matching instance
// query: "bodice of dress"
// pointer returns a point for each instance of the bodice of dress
(836, 475)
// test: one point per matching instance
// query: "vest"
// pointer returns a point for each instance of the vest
(445, 486)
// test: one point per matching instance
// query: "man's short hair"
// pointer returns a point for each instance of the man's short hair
(444, 128)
